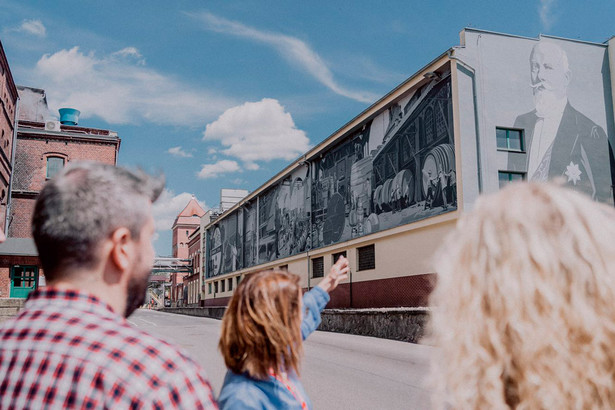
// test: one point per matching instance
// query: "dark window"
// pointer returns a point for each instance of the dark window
(216, 287)
(318, 267)
(238, 279)
(366, 257)
(209, 288)
(283, 267)
(508, 177)
(54, 165)
(230, 284)
(336, 256)
(509, 139)
(222, 285)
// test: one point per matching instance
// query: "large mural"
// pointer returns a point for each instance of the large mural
(398, 168)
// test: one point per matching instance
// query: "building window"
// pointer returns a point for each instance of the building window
(54, 165)
(230, 284)
(337, 255)
(209, 288)
(509, 139)
(506, 177)
(216, 287)
(283, 267)
(366, 256)
(238, 279)
(318, 267)
(222, 286)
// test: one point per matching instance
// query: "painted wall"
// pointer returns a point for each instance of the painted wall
(398, 168)
(564, 110)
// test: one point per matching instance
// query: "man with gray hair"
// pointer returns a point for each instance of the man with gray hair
(71, 345)
(559, 140)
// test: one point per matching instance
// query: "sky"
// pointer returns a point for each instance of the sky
(225, 94)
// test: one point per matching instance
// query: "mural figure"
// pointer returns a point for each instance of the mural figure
(560, 141)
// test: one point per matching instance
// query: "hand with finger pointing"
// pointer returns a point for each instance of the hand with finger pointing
(339, 272)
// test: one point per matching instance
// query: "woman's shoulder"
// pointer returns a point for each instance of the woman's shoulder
(239, 391)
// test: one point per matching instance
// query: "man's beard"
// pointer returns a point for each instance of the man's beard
(547, 102)
(137, 287)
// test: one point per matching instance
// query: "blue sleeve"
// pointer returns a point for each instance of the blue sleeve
(314, 302)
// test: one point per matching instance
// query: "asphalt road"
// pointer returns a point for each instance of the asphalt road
(339, 371)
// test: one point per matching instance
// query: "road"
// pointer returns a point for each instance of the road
(339, 371)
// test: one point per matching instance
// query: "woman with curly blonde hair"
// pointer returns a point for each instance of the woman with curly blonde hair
(524, 309)
(262, 332)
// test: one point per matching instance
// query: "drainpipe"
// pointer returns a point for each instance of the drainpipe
(14, 148)
(476, 119)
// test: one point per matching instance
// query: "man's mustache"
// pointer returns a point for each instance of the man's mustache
(542, 84)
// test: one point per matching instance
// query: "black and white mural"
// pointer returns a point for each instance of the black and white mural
(559, 139)
(398, 168)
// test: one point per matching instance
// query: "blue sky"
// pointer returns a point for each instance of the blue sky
(224, 94)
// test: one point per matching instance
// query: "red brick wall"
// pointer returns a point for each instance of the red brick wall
(30, 171)
(31, 158)
(21, 217)
(8, 100)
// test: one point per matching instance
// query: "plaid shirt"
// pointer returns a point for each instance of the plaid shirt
(67, 349)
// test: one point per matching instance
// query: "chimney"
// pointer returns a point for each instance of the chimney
(69, 116)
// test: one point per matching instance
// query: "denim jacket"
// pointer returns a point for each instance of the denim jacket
(239, 391)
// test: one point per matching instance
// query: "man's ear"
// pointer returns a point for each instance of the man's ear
(122, 248)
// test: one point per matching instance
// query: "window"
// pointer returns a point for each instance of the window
(238, 279)
(230, 284)
(283, 267)
(209, 288)
(336, 256)
(506, 177)
(509, 139)
(318, 267)
(222, 286)
(54, 165)
(366, 256)
(216, 287)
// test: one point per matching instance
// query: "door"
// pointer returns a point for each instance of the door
(24, 279)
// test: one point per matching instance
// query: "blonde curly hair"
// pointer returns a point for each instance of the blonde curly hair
(524, 308)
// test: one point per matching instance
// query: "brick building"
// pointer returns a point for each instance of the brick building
(8, 118)
(187, 221)
(43, 147)
(191, 282)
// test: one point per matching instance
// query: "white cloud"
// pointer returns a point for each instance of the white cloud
(34, 27)
(258, 131)
(121, 91)
(546, 13)
(179, 152)
(131, 52)
(291, 48)
(224, 166)
(168, 206)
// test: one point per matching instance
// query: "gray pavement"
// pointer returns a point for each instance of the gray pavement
(339, 371)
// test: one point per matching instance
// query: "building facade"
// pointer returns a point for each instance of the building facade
(186, 222)
(387, 187)
(43, 147)
(8, 120)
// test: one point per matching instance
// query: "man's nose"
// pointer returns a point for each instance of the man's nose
(540, 73)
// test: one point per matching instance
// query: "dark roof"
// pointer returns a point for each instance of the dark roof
(18, 246)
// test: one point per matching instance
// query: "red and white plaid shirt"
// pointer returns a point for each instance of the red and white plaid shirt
(68, 349)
